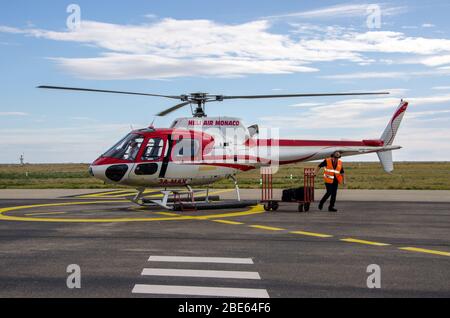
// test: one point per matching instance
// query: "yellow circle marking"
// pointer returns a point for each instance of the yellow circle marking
(254, 210)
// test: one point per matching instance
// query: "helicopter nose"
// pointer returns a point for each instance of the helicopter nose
(91, 171)
(97, 172)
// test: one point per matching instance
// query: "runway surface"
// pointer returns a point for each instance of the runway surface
(127, 251)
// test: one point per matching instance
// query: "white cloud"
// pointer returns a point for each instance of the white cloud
(7, 29)
(423, 143)
(359, 113)
(81, 143)
(442, 71)
(379, 42)
(365, 75)
(428, 25)
(132, 66)
(151, 16)
(8, 44)
(358, 118)
(436, 99)
(436, 60)
(441, 87)
(13, 114)
(344, 10)
(429, 113)
(85, 119)
(348, 113)
(172, 48)
(409, 27)
(307, 105)
(167, 48)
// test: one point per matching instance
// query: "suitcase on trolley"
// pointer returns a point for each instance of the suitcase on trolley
(288, 195)
(295, 194)
(303, 196)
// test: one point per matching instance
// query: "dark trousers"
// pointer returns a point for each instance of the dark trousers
(331, 192)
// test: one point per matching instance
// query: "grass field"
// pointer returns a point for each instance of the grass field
(408, 175)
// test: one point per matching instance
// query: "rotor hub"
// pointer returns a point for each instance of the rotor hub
(200, 100)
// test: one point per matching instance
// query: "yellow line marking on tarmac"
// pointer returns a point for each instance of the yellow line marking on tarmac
(352, 240)
(101, 194)
(423, 250)
(133, 193)
(311, 234)
(228, 222)
(213, 217)
(254, 210)
(167, 214)
(45, 213)
(268, 228)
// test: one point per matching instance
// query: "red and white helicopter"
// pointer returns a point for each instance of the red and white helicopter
(200, 150)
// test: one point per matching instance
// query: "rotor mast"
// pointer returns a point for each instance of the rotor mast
(200, 100)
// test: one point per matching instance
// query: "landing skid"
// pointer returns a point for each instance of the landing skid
(236, 187)
(171, 200)
(164, 202)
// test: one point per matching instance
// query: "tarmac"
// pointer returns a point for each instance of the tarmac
(124, 250)
(251, 194)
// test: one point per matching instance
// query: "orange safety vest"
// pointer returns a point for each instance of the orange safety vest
(330, 173)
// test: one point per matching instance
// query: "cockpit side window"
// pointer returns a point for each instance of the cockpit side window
(154, 149)
(127, 148)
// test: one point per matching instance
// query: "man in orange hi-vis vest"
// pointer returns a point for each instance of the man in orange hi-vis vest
(333, 176)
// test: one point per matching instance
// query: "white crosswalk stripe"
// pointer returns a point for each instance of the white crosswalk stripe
(189, 259)
(200, 291)
(199, 273)
(213, 277)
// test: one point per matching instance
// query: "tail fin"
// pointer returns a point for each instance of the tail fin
(392, 128)
(389, 136)
(386, 160)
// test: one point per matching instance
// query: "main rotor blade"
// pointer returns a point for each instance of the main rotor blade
(172, 109)
(302, 95)
(106, 91)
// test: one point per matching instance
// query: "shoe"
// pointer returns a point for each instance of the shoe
(332, 210)
(320, 206)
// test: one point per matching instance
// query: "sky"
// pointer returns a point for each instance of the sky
(228, 47)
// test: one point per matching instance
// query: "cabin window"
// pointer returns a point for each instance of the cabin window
(154, 149)
(187, 148)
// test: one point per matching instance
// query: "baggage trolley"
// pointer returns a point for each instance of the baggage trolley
(271, 204)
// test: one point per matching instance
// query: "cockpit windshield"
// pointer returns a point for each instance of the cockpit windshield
(127, 148)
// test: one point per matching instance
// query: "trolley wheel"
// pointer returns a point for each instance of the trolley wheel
(307, 206)
(275, 206)
(300, 208)
(267, 207)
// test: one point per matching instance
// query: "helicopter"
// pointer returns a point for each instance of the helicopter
(201, 150)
